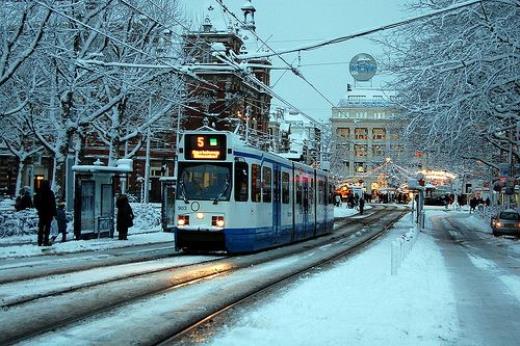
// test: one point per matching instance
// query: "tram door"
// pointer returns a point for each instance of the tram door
(277, 206)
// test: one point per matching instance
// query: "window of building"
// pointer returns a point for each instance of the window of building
(360, 167)
(360, 150)
(256, 184)
(343, 132)
(241, 181)
(378, 150)
(266, 184)
(379, 134)
(361, 133)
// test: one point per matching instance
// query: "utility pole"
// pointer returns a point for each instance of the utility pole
(147, 160)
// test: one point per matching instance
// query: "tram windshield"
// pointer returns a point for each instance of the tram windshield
(204, 181)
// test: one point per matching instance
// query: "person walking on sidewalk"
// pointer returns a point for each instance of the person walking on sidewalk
(125, 217)
(45, 203)
(361, 205)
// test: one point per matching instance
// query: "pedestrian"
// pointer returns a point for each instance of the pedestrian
(125, 217)
(61, 218)
(472, 204)
(350, 201)
(23, 201)
(45, 204)
(337, 199)
(361, 205)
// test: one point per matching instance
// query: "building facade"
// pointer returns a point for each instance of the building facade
(367, 132)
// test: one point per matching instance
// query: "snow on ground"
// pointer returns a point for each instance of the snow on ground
(345, 211)
(25, 250)
(359, 302)
(146, 230)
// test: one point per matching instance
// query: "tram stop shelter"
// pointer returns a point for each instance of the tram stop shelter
(168, 186)
(94, 196)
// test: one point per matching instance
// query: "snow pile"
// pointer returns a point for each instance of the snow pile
(25, 222)
(147, 218)
(15, 223)
(7, 204)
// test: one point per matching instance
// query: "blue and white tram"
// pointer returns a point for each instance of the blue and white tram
(234, 197)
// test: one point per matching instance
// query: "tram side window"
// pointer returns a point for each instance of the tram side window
(320, 192)
(285, 188)
(299, 192)
(266, 184)
(256, 184)
(331, 194)
(312, 192)
(241, 181)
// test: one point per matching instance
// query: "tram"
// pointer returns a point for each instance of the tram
(234, 197)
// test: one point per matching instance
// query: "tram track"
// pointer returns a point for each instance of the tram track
(142, 285)
(17, 286)
(190, 328)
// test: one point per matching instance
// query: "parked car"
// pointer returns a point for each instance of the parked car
(506, 222)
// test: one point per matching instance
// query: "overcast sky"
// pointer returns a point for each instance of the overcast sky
(292, 23)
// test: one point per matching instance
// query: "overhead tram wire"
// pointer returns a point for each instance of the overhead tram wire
(363, 33)
(293, 69)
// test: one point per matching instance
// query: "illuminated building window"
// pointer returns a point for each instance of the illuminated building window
(359, 167)
(343, 132)
(379, 134)
(361, 133)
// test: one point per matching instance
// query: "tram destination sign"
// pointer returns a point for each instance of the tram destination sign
(205, 146)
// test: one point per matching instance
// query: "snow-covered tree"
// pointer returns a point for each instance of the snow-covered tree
(458, 80)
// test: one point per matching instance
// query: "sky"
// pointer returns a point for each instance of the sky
(293, 23)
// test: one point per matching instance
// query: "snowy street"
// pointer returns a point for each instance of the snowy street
(444, 293)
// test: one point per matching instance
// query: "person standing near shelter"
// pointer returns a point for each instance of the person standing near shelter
(23, 201)
(361, 205)
(45, 203)
(61, 218)
(125, 217)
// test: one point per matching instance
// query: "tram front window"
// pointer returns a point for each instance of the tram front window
(204, 181)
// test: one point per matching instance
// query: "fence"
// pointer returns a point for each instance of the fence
(401, 247)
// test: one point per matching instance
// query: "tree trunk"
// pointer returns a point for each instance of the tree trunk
(19, 175)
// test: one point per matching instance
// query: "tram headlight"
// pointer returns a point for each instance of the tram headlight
(183, 220)
(217, 221)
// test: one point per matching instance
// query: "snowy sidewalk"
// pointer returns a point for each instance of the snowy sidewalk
(73, 246)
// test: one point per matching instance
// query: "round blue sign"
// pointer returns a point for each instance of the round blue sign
(363, 67)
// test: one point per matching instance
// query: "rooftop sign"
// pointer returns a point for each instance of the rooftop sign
(363, 67)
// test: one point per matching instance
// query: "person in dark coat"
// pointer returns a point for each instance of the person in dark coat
(125, 216)
(61, 218)
(45, 203)
(23, 201)
(361, 205)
